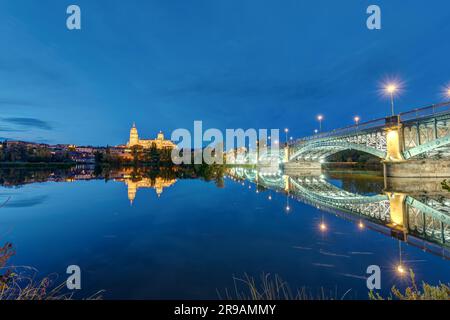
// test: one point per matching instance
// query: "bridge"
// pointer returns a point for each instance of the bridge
(399, 141)
(411, 144)
(420, 133)
(412, 218)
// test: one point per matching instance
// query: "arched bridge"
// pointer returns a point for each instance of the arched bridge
(417, 134)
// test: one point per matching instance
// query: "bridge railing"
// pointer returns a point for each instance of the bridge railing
(373, 124)
(429, 111)
(415, 114)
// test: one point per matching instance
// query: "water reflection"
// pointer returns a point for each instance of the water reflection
(417, 213)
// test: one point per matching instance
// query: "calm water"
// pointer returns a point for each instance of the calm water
(185, 238)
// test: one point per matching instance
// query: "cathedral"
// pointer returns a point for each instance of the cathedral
(159, 142)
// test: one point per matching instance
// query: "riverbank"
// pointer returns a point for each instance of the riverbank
(37, 164)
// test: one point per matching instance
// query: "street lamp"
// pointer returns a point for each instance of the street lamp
(286, 132)
(320, 118)
(391, 89)
(357, 118)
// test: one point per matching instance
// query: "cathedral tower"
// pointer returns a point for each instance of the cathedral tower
(134, 137)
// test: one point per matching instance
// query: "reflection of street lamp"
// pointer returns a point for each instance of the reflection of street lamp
(288, 207)
(323, 227)
(391, 89)
(316, 131)
(447, 92)
(400, 267)
(320, 118)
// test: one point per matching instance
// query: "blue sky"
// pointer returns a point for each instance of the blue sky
(231, 64)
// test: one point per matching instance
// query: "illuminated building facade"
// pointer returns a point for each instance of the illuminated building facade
(159, 142)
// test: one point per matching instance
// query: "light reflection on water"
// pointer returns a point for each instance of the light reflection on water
(185, 233)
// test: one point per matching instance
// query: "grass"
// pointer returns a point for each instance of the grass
(270, 287)
(21, 283)
(273, 287)
(413, 292)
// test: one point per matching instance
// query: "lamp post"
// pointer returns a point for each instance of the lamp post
(357, 119)
(286, 132)
(391, 89)
(320, 118)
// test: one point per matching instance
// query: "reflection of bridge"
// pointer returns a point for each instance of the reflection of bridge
(401, 140)
(409, 218)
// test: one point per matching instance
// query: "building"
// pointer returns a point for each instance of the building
(159, 142)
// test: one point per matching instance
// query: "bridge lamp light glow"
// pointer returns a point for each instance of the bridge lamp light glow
(357, 119)
(391, 89)
(447, 92)
(320, 118)
(288, 208)
(361, 225)
(286, 130)
(323, 227)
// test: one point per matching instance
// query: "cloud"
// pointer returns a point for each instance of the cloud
(8, 129)
(29, 123)
(27, 202)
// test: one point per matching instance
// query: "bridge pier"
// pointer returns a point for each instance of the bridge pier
(417, 169)
(428, 186)
(300, 168)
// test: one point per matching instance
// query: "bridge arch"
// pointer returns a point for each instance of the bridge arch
(327, 148)
(426, 147)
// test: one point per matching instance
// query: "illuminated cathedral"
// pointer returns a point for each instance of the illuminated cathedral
(159, 142)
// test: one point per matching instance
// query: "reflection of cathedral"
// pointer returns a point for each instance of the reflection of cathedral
(158, 184)
(159, 142)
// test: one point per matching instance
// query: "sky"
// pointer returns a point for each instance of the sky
(229, 63)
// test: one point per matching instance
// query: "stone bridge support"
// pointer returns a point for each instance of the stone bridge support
(302, 168)
(417, 169)
(394, 139)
